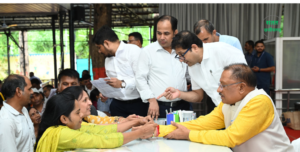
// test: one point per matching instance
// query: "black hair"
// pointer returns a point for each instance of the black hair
(35, 81)
(105, 33)
(76, 91)
(242, 72)
(58, 105)
(170, 18)
(68, 72)
(137, 36)
(11, 83)
(208, 26)
(125, 41)
(93, 94)
(0, 82)
(260, 41)
(251, 43)
(85, 77)
(85, 72)
(49, 87)
(29, 108)
(185, 39)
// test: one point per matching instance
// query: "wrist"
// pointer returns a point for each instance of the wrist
(179, 93)
(152, 100)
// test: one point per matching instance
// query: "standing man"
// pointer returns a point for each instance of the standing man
(262, 65)
(16, 127)
(120, 65)
(206, 32)
(135, 38)
(206, 62)
(250, 51)
(31, 75)
(158, 69)
(88, 86)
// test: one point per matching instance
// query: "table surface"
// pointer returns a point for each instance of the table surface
(163, 145)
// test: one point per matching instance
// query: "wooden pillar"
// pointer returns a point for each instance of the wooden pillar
(102, 16)
(23, 43)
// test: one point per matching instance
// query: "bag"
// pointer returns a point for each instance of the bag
(292, 119)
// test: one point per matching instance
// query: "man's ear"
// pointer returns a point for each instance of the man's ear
(214, 32)
(175, 32)
(106, 44)
(64, 119)
(194, 48)
(242, 88)
(19, 92)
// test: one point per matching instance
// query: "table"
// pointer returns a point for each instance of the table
(163, 145)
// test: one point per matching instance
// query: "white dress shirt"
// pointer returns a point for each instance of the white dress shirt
(88, 90)
(157, 70)
(123, 67)
(16, 130)
(207, 75)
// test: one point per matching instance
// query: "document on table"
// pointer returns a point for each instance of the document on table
(106, 89)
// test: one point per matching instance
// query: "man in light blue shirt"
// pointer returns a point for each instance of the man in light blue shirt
(206, 32)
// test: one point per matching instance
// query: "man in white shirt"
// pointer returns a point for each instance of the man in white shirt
(16, 127)
(206, 62)
(158, 69)
(88, 86)
(120, 65)
(206, 32)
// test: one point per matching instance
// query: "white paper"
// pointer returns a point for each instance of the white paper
(106, 89)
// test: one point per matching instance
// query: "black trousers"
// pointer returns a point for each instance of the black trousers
(181, 106)
(126, 108)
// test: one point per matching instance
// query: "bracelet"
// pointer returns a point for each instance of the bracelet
(179, 93)
(157, 130)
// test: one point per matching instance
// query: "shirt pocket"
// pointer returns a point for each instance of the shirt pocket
(216, 75)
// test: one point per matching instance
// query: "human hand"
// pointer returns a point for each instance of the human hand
(147, 130)
(170, 94)
(114, 82)
(180, 133)
(103, 98)
(255, 69)
(153, 110)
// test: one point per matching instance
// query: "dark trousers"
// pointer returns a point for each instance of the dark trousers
(126, 108)
(182, 106)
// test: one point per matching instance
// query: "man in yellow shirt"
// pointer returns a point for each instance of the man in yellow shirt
(248, 114)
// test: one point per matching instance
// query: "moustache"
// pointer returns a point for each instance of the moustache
(220, 94)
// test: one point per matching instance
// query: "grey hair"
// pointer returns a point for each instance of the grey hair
(209, 27)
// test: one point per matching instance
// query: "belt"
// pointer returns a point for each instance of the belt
(129, 101)
(170, 104)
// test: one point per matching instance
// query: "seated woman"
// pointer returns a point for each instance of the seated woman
(61, 129)
(85, 101)
(35, 118)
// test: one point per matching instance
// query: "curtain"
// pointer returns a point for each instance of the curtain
(291, 23)
(244, 21)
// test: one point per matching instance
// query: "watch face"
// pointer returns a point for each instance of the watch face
(123, 84)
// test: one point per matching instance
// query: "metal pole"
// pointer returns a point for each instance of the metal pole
(54, 51)
(23, 48)
(8, 48)
(61, 28)
(71, 32)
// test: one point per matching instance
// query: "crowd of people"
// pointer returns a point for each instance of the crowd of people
(241, 115)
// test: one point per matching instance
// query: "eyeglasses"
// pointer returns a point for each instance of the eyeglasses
(182, 56)
(224, 86)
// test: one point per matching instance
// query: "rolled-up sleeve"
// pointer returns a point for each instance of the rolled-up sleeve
(141, 76)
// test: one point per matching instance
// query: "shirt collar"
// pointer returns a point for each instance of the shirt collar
(158, 47)
(205, 51)
(11, 109)
(120, 48)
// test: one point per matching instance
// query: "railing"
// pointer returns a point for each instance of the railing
(288, 96)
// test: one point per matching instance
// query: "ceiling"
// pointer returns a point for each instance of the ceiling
(38, 16)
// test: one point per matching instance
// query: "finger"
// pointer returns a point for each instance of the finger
(174, 124)
(163, 94)
(156, 116)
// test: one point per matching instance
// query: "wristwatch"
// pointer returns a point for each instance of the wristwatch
(123, 85)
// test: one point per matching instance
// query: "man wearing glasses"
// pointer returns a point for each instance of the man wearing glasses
(158, 69)
(206, 63)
